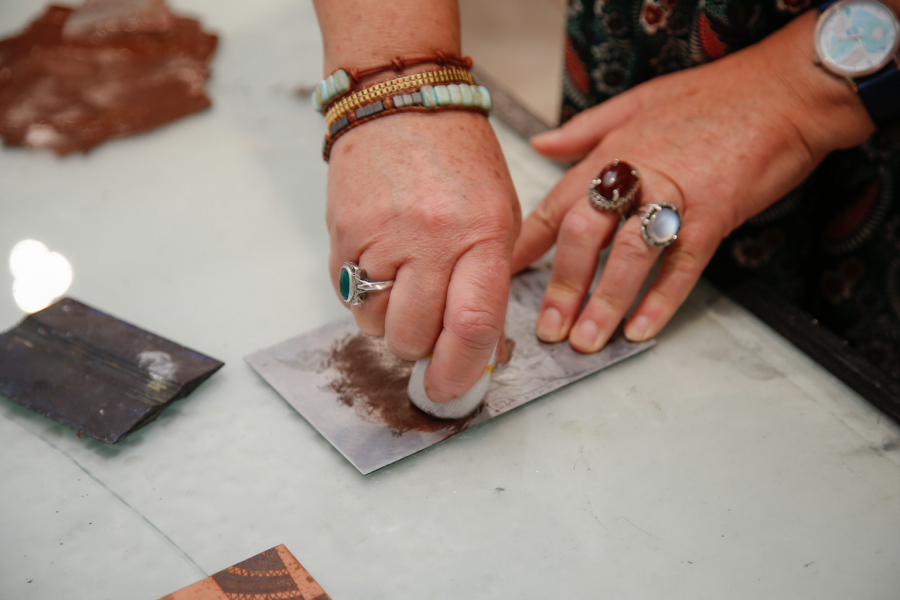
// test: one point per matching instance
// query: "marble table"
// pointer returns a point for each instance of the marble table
(722, 463)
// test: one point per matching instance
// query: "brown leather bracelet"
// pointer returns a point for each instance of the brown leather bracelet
(399, 64)
(329, 140)
(344, 81)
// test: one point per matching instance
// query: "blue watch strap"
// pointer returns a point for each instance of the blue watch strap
(825, 4)
(880, 93)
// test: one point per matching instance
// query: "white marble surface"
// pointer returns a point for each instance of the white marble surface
(720, 464)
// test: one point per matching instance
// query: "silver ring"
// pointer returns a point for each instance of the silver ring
(606, 192)
(354, 286)
(660, 223)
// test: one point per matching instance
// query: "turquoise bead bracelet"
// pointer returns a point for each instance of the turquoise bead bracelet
(428, 99)
(461, 94)
(343, 81)
(336, 84)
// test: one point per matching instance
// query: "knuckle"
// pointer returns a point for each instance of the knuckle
(547, 214)
(706, 228)
(489, 229)
(341, 228)
(686, 260)
(578, 229)
(430, 220)
(565, 290)
(367, 323)
(710, 224)
(493, 209)
(632, 248)
(605, 301)
(477, 329)
(408, 344)
(659, 298)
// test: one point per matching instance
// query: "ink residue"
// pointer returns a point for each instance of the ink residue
(373, 381)
(76, 77)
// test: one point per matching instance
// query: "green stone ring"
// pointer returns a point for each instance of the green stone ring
(354, 285)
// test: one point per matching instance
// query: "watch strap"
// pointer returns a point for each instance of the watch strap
(880, 93)
(824, 4)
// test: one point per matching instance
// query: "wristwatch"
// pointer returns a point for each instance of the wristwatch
(858, 41)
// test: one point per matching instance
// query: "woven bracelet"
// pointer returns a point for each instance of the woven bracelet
(342, 81)
(427, 99)
(392, 86)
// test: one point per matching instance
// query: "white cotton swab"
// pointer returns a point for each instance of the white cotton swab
(456, 408)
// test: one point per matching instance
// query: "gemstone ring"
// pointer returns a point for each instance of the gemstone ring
(354, 286)
(615, 188)
(660, 223)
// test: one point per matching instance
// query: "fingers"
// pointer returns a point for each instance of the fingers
(584, 231)
(681, 267)
(624, 273)
(369, 315)
(627, 267)
(415, 313)
(541, 228)
(581, 134)
(472, 322)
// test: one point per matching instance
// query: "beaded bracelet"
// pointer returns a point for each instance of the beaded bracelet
(341, 82)
(427, 99)
(365, 95)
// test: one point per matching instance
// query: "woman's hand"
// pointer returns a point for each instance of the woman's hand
(427, 200)
(722, 142)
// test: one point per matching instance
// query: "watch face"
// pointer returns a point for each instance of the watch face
(857, 37)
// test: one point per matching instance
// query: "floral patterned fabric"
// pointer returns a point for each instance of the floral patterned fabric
(832, 245)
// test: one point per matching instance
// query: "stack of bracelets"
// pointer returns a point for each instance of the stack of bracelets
(450, 87)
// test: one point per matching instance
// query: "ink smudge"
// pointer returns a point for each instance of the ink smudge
(373, 381)
(76, 77)
(510, 348)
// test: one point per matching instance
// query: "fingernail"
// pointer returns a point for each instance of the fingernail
(549, 325)
(636, 330)
(584, 336)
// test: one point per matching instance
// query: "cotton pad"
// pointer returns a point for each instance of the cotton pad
(456, 408)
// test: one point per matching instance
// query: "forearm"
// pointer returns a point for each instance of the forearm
(365, 33)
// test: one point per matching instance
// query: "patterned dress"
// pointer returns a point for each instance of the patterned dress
(832, 246)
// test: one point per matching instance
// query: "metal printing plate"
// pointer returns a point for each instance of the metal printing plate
(299, 369)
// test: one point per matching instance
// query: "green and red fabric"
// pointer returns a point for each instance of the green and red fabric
(832, 245)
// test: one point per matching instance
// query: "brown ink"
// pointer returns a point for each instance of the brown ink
(373, 381)
(75, 78)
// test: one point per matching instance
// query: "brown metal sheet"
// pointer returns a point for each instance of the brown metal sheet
(94, 373)
(271, 575)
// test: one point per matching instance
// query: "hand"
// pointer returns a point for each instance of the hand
(721, 141)
(427, 200)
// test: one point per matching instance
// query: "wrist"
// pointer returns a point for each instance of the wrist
(395, 135)
(826, 108)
